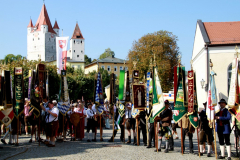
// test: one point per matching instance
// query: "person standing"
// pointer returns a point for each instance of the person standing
(51, 122)
(187, 130)
(80, 127)
(205, 131)
(223, 129)
(122, 123)
(164, 128)
(151, 133)
(130, 123)
(106, 114)
(27, 115)
(142, 126)
(90, 122)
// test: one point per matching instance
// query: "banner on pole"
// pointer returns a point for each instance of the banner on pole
(61, 51)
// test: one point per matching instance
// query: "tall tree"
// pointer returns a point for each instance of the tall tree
(10, 57)
(163, 45)
(87, 59)
(108, 52)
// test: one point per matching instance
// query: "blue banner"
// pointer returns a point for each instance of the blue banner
(99, 95)
(148, 86)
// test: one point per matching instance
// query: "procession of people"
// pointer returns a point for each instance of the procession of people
(137, 111)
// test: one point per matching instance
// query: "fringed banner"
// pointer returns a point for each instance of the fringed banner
(18, 90)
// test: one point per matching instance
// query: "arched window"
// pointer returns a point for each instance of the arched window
(229, 73)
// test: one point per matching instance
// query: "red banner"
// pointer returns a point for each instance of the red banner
(190, 92)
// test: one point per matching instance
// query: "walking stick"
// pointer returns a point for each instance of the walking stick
(101, 128)
(113, 122)
(137, 132)
(39, 130)
(156, 138)
(17, 128)
(181, 137)
(215, 140)
(147, 131)
(124, 133)
(198, 144)
(63, 128)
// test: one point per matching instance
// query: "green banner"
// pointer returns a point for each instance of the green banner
(18, 91)
(121, 84)
(180, 109)
(194, 117)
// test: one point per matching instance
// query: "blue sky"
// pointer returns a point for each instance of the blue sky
(113, 24)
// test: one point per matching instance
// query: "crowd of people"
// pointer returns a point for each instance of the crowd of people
(55, 125)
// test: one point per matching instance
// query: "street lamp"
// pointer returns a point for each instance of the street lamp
(202, 83)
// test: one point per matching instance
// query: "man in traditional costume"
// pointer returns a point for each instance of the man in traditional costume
(164, 128)
(130, 123)
(142, 126)
(91, 123)
(205, 131)
(151, 133)
(51, 122)
(122, 123)
(188, 130)
(223, 129)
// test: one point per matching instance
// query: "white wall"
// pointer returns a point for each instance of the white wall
(198, 42)
(41, 43)
(79, 49)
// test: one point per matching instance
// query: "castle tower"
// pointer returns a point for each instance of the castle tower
(77, 49)
(41, 38)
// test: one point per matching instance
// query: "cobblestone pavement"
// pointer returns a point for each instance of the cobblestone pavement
(69, 150)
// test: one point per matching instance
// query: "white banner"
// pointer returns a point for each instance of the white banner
(61, 51)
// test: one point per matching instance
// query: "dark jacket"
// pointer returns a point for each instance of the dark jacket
(204, 123)
(166, 117)
(225, 119)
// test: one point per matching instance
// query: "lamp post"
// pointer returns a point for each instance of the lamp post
(202, 83)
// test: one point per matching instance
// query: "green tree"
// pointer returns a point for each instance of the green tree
(10, 57)
(163, 45)
(108, 52)
(87, 59)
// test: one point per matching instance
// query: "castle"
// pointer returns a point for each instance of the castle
(41, 42)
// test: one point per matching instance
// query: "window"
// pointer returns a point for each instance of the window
(38, 38)
(49, 39)
(73, 66)
(121, 68)
(109, 68)
(77, 55)
(115, 68)
(78, 66)
(103, 67)
(78, 36)
(229, 76)
(74, 41)
(81, 51)
(52, 47)
(74, 51)
(81, 41)
(33, 39)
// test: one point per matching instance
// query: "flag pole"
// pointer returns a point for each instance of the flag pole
(215, 143)
(179, 65)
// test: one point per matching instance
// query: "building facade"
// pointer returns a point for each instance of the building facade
(41, 38)
(109, 63)
(215, 42)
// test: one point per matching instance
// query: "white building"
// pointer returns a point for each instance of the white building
(41, 38)
(214, 41)
(77, 42)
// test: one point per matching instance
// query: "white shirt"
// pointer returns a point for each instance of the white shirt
(90, 113)
(94, 108)
(50, 118)
(128, 112)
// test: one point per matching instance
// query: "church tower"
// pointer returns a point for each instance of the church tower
(41, 38)
(77, 50)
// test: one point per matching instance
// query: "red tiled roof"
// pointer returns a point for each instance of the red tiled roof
(30, 24)
(77, 34)
(223, 32)
(55, 25)
(44, 19)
